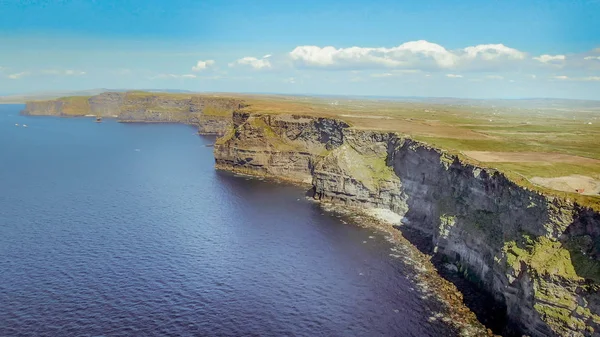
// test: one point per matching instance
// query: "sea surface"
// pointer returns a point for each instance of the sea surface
(110, 229)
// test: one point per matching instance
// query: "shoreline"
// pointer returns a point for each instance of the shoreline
(426, 276)
(479, 220)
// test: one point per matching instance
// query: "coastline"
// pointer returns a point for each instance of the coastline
(477, 220)
(426, 276)
(525, 248)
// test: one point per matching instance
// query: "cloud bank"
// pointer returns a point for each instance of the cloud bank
(410, 55)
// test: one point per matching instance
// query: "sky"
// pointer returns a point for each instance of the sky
(434, 48)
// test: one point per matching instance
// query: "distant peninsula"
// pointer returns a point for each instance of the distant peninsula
(212, 114)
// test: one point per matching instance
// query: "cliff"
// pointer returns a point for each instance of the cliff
(537, 255)
(211, 114)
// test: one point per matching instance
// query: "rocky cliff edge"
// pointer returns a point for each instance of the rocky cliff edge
(538, 256)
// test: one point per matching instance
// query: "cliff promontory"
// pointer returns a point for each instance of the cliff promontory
(539, 256)
(211, 114)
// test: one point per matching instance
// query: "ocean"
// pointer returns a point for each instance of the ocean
(111, 229)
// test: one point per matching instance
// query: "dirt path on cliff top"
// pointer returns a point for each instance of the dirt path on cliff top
(585, 185)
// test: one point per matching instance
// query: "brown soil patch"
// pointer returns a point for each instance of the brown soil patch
(522, 157)
(414, 128)
(573, 183)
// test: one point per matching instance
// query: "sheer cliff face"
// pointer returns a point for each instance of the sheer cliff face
(211, 114)
(537, 255)
(277, 145)
(45, 108)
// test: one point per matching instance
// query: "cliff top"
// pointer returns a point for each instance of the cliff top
(549, 145)
(552, 146)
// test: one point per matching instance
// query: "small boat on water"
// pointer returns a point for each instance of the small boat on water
(16, 124)
(24, 125)
(98, 119)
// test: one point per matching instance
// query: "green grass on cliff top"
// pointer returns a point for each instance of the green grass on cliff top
(75, 105)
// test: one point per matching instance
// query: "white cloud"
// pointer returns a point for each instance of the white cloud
(550, 58)
(454, 76)
(74, 72)
(17, 76)
(174, 76)
(253, 62)
(584, 79)
(58, 72)
(414, 55)
(203, 65)
(382, 75)
(267, 56)
(214, 77)
(403, 55)
(407, 71)
(396, 73)
(494, 77)
(493, 51)
(592, 58)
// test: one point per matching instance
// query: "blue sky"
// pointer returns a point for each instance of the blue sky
(480, 49)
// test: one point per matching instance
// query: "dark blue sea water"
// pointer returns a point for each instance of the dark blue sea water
(127, 230)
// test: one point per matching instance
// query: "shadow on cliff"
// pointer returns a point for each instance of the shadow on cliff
(582, 240)
(461, 217)
(489, 312)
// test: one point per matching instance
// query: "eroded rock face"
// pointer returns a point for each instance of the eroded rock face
(537, 255)
(211, 114)
(213, 125)
(277, 145)
(515, 243)
(43, 108)
(106, 104)
(356, 173)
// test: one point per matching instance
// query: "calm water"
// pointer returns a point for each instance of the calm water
(118, 229)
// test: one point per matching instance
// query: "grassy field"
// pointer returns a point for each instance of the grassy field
(524, 139)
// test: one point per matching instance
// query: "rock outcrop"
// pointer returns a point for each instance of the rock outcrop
(212, 115)
(284, 146)
(538, 256)
(43, 108)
